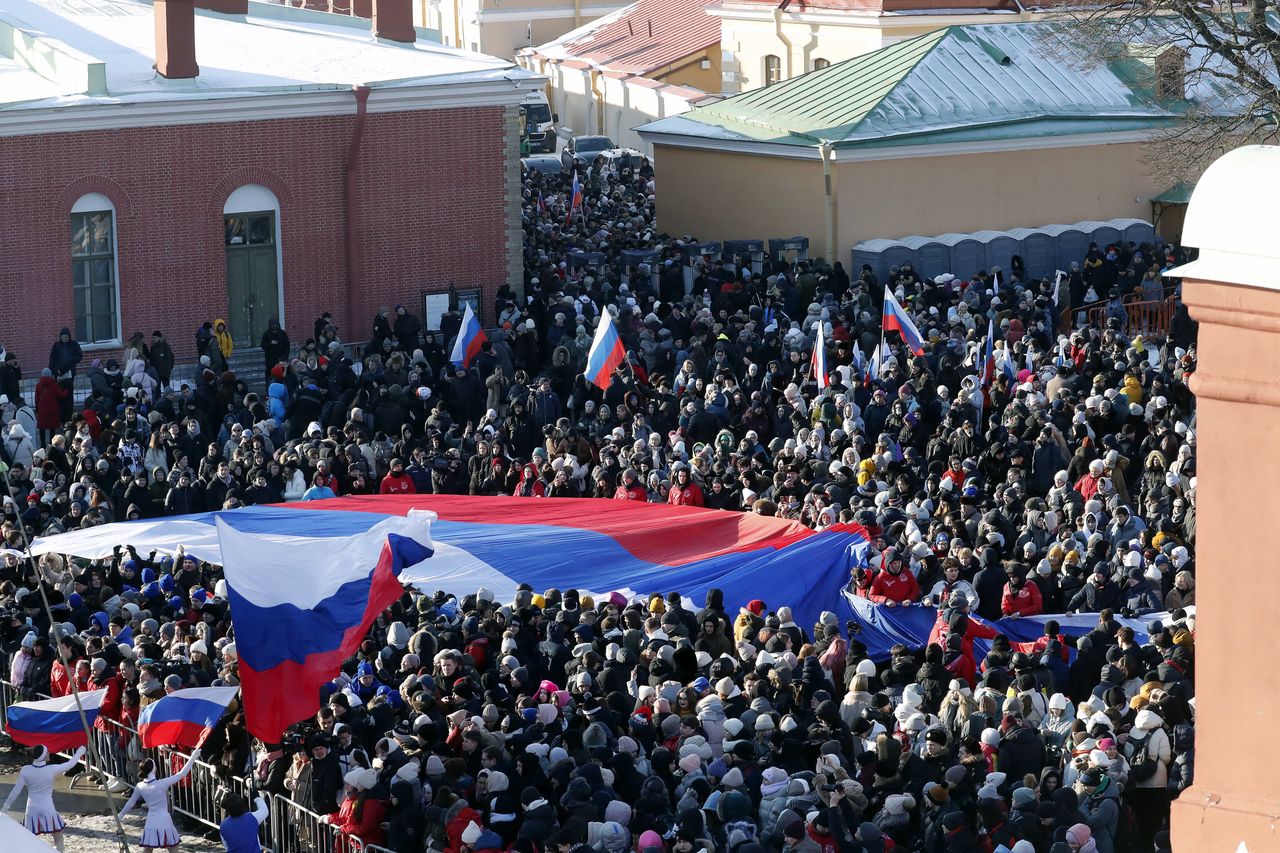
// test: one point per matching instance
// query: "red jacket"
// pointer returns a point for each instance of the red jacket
(890, 587)
(368, 828)
(690, 495)
(458, 825)
(973, 631)
(392, 485)
(1087, 486)
(635, 493)
(1024, 602)
(110, 710)
(49, 396)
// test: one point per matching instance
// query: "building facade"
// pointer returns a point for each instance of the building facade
(201, 199)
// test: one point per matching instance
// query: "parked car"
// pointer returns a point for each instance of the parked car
(582, 150)
(547, 164)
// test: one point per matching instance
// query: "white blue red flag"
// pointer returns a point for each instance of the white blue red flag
(575, 198)
(300, 606)
(895, 317)
(818, 359)
(54, 724)
(184, 717)
(606, 354)
(470, 338)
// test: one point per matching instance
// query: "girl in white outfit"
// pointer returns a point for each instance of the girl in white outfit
(38, 778)
(159, 830)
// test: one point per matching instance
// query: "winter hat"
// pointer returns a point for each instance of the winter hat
(471, 834)
(1079, 834)
(691, 763)
(1023, 797)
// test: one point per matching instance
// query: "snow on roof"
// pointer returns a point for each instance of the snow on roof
(646, 36)
(272, 50)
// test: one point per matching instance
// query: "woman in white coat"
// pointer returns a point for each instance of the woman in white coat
(38, 777)
(159, 830)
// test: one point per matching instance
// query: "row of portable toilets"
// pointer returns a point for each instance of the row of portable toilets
(1043, 250)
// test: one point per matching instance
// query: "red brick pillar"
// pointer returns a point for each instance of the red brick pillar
(1233, 290)
(393, 19)
(176, 39)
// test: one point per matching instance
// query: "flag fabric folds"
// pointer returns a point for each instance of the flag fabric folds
(895, 317)
(184, 717)
(818, 359)
(606, 353)
(470, 338)
(53, 723)
(575, 198)
(292, 637)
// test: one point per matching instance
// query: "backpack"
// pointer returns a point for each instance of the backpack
(1142, 765)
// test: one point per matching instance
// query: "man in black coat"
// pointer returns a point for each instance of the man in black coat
(326, 778)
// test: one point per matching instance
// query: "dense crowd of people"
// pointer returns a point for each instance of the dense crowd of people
(1063, 484)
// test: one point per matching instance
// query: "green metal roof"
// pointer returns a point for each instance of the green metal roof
(1179, 193)
(970, 83)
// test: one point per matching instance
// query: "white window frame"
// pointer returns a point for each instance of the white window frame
(94, 203)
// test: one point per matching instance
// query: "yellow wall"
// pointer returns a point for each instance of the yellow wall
(689, 71)
(725, 196)
(720, 196)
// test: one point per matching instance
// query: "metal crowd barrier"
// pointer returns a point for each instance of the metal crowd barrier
(291, 828)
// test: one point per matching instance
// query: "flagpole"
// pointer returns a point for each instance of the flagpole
(880, 352)
(90, 746)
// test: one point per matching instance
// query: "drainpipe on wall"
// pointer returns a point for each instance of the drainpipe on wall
(349, 190)
(599, 96)
(827, 155)
(457, 24)
(786, 42)
(577, 13)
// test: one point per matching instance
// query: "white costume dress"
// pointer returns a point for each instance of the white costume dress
(38, 777)
(159, 830)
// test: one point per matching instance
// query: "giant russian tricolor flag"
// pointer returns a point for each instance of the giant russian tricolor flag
(292, 636)
(469, 340)
(184, 717)
(599, 546)
(54, 724)
(606, 353)
(895, 317)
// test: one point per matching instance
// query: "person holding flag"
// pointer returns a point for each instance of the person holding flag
(606, 354)
(575, 199)
(41, 817)
(159, 830)
(818, 359)
(895, 317)
(469, 341)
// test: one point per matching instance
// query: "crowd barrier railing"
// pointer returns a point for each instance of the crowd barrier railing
(291, 828)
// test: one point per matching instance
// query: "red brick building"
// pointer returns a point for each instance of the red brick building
(308, 165)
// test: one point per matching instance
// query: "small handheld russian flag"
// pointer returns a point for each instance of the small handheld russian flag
(53, 723)
(606, 354)
(818, 360)
(470, 338)
(575, 198)
(895, 317)
(184, 717)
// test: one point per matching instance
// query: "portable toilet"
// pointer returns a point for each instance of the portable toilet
(695, 253)
(751, 253)
(1136, 231)
(967, 254)
(1038, 250)
(1070, 244)
(999, 250)
(1103, 233)
(789, 249)
(881, 255)
(631, 260)
(933, 258)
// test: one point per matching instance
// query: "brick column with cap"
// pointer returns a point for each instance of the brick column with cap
(1233, 290)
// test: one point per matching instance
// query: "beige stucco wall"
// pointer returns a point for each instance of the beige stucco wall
(553, 18)
(725, 196)
(720, 196)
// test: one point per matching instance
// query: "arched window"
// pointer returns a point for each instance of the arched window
(819, 64)
(95, 276)
(251, 237)
(772, 69)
